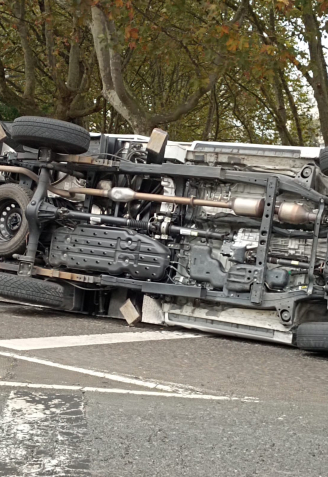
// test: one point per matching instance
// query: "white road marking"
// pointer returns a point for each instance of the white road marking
(112, 377)
(43, 434)
(89, 340)
(59, 387)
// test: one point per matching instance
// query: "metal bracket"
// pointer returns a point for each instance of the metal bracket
(86, 160)
(286, 310)
(316, 231)
(306, 176)
(325, 274)
(264, 239)
(286, 184)
(45, 155)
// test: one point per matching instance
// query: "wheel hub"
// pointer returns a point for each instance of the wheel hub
(10, 220)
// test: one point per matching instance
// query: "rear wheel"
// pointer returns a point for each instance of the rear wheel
(13, 224)
(312, 336)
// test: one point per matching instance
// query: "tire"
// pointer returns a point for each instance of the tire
(31, 290)
(59, 136)
(13, 202)
(323, 160)
(312, 336)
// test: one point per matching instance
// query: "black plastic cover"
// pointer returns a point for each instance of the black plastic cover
(241, 277)
(204, 268)
(111, 250)
(277, 278)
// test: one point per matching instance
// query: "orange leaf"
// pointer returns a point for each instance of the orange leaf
(134, 33)
(127, 32)
(232, 44)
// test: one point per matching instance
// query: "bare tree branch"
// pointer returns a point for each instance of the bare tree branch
(11, 98)
(95, 108)
(293, 108)
(48, 30)
(110, 69)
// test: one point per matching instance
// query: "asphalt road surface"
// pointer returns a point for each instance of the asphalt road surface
(83, 396)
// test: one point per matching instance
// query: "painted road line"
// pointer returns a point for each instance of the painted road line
(89, 340)
(59, 387)
(43, 434)
(112, 377)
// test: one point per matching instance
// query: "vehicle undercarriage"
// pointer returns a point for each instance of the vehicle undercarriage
(225, 238)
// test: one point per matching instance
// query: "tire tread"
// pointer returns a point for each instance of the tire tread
(313, 336)
(31, 290)
(60, 136)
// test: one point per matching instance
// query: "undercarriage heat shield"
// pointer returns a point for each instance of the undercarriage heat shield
(114, 251)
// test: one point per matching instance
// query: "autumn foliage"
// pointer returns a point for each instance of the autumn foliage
(221, 70)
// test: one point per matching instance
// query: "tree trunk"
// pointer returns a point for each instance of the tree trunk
(116, 91)
(29, 60)
(319, 79)
(104, 118)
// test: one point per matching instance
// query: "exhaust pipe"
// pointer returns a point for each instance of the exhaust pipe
(241, 206)
(26, 172)
(287, 212)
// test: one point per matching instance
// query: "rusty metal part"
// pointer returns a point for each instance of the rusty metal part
(85, 191)
(52, 273)
(180, 200)
(94, 161)
(76, 277)
(26, 172)
(20, 170)
(295, 214)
